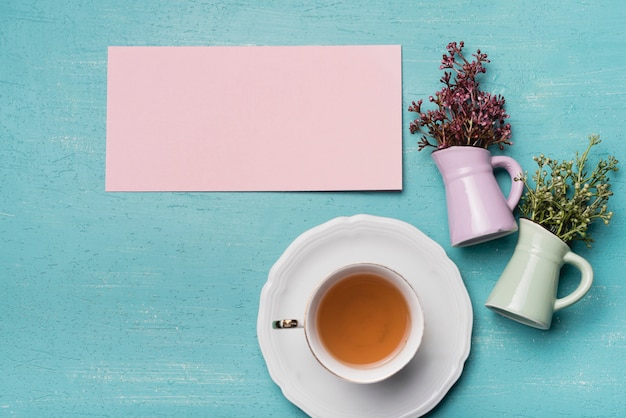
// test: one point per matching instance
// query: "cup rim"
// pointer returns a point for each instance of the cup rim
(387, 367)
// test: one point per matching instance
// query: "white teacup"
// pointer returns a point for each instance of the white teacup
(363, 322)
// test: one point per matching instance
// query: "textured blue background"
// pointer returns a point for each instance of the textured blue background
(145, 304)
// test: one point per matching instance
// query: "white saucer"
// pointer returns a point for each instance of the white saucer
(423, 383)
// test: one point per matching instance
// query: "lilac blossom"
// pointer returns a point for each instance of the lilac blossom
(464, 115)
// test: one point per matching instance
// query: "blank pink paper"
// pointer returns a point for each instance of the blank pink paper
(250, 118)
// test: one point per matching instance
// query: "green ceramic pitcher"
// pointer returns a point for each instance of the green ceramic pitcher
(527, 289)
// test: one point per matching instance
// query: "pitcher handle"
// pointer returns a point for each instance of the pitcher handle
(515, 170)
(585, 281)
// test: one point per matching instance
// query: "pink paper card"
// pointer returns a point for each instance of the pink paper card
(250, 118)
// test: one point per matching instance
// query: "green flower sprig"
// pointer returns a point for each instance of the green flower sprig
(566, 198)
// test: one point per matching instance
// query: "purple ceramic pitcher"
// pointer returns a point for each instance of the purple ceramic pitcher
(477, 208)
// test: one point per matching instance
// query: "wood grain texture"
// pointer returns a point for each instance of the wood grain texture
(145, 304)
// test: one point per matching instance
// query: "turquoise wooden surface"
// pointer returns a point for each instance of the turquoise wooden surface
(144, 304)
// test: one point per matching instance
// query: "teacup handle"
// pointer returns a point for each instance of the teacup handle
(514, 169)
(585, 281)
(287, 324)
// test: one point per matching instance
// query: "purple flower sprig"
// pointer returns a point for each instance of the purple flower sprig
(465, 115)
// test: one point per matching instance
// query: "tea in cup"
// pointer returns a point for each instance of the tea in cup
(363, 322)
